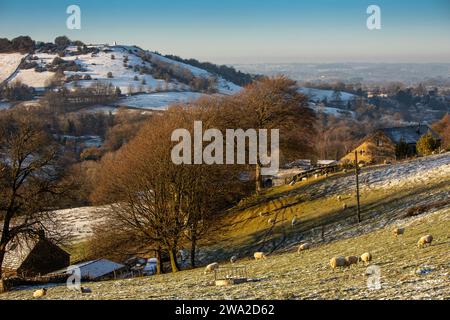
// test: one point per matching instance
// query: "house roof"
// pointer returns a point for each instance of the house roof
(410, 134)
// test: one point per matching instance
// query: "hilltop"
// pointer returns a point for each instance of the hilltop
(148, 80)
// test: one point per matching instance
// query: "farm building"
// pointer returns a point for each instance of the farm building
(381, 146)
(34, 256)
(100, 269)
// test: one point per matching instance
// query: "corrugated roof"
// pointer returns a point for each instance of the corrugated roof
(410, 134)
(93, 269)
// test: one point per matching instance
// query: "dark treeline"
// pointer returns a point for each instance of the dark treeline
(226, 72)
(22, 44)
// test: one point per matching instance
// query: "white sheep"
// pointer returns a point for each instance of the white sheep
(294, 221)
(366, 257)
(211, 267)
(233, 259)
(303, 247)
(344, 206)
(338, 262)
(425, 240)
(259, 256)
(271, 221)
(339, 198)
(40, 293)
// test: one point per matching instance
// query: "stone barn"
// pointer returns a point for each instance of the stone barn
(381, 145)
(34, 256)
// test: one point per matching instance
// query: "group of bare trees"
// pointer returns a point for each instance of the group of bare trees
(65, 100)
(169, 206)
(156, 201)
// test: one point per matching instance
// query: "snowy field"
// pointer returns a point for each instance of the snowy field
(333, 111)
(158, 101)
(8, 64)
(319, 95)
(78, 222)
(418, 172)
(37, 80)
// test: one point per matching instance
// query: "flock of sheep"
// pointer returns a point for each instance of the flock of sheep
(335, 262)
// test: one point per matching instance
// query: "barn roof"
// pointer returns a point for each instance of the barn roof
(410, 134)
(20, 248)
(93, 269)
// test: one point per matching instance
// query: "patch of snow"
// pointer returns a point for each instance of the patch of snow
(31, 78)
(8, 64)
(319, 94)
(158, 101)
(4, 105)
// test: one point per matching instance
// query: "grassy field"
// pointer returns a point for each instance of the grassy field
(388, 193)
(407, 272)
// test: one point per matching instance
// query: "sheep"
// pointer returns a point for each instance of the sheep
(425, 240)
(233, 259)
(366, 257)
(259, 256)
(351, 260)
(303, 247)
(344, 206)
(339, 198)
(338, 262)
(398, 231)
(40, 293)
(271, 221)
(211, 267)
(294, 221)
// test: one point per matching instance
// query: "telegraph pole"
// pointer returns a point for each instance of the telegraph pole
(357, 186)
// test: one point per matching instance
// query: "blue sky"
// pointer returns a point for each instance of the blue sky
(247, 31)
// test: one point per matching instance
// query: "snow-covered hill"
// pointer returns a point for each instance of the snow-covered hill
(119, 61)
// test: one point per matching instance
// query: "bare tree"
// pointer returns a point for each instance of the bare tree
(275, 103)
(29, 179)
